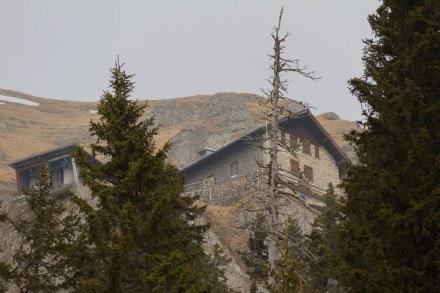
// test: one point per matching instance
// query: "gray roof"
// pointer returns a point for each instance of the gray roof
(37, 158)
(324, 138)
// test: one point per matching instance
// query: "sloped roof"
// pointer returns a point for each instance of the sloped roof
(37, 158)
(324, 138)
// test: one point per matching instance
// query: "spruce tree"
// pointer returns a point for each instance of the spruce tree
(256, 259)
(291, 267)
(391, 233)
(49, 241)
(143, 234)
(322, 243)
(5, 276)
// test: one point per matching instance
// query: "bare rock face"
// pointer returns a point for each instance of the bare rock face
(330, 116)
(237, 278)
(351, 153)
(219, 108)
(169, 112)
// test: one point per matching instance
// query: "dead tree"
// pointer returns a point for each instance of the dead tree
(271, 143)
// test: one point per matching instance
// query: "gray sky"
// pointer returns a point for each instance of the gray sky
(64, 49)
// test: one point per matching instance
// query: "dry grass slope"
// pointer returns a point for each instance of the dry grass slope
(25, 130)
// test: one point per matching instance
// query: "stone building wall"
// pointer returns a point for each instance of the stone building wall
(325, 169)
(225, 192)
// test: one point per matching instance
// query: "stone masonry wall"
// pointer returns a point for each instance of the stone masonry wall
(325, 169)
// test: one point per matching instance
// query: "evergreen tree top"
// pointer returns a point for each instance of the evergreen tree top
(143, 234)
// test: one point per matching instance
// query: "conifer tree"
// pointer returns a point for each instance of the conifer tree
(290, 267)
(391, 233)
(5, 276)
(49, 241)
(256, 259)
(144, 236)
(322, 242)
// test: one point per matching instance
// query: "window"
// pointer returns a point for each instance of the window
(283, 137)
(294, 167)
(58, 178)
(308, 172)
(316, 152)
(306, 147)
(293, 142)
(234, 168)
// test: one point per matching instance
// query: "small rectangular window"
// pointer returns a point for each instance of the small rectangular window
(308, 173)
(294, 167)
(316, 152)
(283, 137)
(306, 147)
(293, 142)
(234, 168)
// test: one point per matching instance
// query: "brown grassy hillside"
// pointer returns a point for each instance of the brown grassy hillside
(215, 120)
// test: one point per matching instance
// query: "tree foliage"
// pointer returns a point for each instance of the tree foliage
(49, 241)
(143, 235)
(391, 232)
(291, 267)
(322, 242)
(5, 276)
(256, 259)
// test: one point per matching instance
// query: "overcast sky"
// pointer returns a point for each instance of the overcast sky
(64, 49)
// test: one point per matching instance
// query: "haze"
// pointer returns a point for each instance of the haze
(64, 49)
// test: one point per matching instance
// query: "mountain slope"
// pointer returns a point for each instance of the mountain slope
(189, 123)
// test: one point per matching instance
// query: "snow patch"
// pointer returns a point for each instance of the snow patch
(18, 101)
(93, 111)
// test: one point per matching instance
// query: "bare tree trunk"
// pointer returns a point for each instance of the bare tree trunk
(273, 164)
(278, 88)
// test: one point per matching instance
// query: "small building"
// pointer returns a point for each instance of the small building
(61, 166)
(308, 159)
